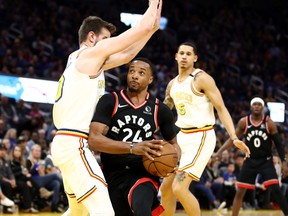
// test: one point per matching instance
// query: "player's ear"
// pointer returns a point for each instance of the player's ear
(151, 79)
(91, 37)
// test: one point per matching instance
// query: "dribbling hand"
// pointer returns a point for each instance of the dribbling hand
(148, 148)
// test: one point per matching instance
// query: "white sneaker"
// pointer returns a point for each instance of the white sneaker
(221, 206)
(6, 202)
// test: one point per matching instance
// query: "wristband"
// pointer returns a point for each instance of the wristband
(236, 138)
(131, 148)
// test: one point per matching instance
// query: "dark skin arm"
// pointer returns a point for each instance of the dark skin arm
(98, 142)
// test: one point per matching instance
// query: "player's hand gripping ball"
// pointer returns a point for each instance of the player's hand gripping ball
(164, 164)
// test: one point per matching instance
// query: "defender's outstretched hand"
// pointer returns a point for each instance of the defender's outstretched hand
(241, 145)
(158, 17)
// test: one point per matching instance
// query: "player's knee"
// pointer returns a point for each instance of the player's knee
(177, 189)
(166, 189)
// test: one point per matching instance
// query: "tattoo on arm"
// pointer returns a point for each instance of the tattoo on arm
(169, 102)
(180, 176)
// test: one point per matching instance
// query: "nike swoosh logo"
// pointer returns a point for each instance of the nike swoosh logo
(249, 126)
(121, 106)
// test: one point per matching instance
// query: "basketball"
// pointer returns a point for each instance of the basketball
(163, 164)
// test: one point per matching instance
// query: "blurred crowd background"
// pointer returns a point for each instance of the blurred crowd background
(243, 44)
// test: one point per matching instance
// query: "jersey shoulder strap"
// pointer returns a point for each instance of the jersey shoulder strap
(195, 72)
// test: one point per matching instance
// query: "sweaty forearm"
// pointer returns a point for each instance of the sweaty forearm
(102, 143)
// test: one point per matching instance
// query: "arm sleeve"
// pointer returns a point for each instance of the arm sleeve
(166, 122)
(104, 109)
(279, 146)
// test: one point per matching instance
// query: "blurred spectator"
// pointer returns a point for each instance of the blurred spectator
(229, 188)
(23, 113)
(11, 186)
(3, 127)
(239, 160)
(11, 135)
(34, 139)
(22, 142)
(51, 181)
(21, 173)
(225, 160)
(210, 186)
(4, 200)
(8, 111)
(35, 111)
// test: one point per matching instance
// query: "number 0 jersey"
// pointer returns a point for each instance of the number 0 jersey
(257, 137)
(77, 97)
(130, 123)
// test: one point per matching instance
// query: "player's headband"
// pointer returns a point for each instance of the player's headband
(255, 100)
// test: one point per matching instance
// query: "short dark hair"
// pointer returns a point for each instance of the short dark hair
(152, 66)
(190, 43)
(95, 24)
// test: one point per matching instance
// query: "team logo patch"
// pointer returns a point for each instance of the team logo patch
(147, 110)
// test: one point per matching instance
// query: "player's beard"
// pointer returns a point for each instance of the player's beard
(133, 87)
(133, 90)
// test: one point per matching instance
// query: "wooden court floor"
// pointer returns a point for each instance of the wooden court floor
(204, 213)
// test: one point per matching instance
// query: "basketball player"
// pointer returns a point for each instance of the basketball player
(259, 132)
(80, 88)
(123, 129)
(195, 95)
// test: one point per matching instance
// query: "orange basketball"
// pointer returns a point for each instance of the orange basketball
(163, 164)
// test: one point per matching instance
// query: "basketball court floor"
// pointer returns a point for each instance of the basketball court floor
(204, 213)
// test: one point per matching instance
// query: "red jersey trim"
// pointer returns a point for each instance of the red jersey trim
(116, 104)
(130, 103)
(140, 181)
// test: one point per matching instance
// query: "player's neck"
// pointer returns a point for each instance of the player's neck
(184, 73)
(85, 44)
(137, 98)
(257, 117)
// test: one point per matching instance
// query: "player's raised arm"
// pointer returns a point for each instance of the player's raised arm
(129, 53)
(98, 54)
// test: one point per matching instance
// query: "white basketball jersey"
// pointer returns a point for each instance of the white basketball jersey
(77, 97)
(194, 109)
